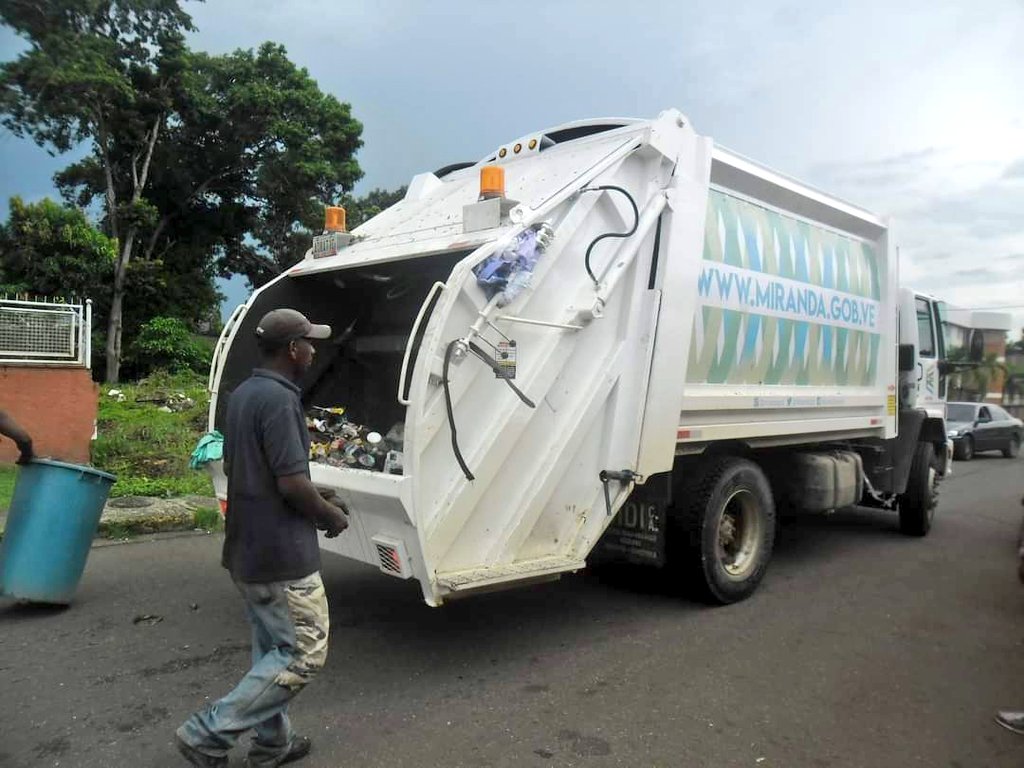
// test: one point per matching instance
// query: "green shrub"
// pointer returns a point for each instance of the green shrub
(167, 343)
(147, 448)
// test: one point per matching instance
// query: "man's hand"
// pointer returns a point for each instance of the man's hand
(27, 454)
(10, 428)
(335, 525)
(336, 520)
(309, 501)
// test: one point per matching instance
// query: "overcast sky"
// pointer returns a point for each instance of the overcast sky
(912, 109)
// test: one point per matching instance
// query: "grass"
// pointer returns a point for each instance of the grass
(208, 519)
(149, 449)
(7, 476)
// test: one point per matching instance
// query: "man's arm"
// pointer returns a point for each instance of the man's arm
(10, 428)
(302, 496)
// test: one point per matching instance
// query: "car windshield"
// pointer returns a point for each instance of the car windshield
(960, 412)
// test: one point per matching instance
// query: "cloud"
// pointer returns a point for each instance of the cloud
(900, 171)
(920, 126)
(1015, 170)
(977, 275)
(988, 211)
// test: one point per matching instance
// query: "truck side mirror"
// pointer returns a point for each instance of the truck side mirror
(906, 358)
(977, 346)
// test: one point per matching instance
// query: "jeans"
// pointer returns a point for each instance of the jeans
(289, 645)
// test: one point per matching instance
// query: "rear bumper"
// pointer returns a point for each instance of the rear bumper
(381, 528)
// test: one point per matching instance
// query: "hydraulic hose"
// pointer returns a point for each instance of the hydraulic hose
(599, 238)
(451, 412)
(476, 350)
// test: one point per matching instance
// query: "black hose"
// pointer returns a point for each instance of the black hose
(599, 238)
(489, 361)
(451, 411)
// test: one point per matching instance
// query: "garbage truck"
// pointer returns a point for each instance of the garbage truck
(611, 339)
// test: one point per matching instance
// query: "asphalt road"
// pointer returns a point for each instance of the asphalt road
(862, 648)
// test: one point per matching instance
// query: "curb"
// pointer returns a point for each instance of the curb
(137, 515)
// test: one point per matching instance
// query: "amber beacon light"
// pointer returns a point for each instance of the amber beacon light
(334, 219)
(492, 182)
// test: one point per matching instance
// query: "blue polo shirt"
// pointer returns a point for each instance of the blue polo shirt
(265, 437)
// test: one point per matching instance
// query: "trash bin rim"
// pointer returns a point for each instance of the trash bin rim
(75, 467)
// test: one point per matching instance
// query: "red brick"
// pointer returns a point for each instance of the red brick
(57, 406)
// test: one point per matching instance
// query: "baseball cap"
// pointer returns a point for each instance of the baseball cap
(281, 326)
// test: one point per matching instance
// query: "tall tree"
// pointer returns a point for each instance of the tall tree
(49, 250)
(252, 152)
(102, 72)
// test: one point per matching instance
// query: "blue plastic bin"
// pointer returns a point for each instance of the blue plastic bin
(50, 527)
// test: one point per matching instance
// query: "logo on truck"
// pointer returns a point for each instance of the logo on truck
(782, 301)
(744, 290)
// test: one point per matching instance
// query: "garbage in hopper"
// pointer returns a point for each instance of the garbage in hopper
(339, 442)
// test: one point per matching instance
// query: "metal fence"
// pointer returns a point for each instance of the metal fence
(42, 332)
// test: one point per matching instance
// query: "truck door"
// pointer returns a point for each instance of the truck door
(929, 396)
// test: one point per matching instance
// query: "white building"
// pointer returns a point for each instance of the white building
(959, 323)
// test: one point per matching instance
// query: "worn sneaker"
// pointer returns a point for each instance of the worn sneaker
(1011, 721)
(197, 758)
(298, 749)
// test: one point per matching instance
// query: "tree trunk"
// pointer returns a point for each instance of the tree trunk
(108, 175)
(115, 324)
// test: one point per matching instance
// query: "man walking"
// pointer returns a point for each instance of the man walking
(271, 550)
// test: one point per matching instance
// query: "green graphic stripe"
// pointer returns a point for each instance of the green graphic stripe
(787, 247)
(853, 359)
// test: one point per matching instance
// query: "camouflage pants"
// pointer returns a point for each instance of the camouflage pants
(290, 627)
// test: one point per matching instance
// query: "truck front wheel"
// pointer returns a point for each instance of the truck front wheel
(917, 504)
(722, 533)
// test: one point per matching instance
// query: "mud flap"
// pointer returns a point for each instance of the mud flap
(637, 534)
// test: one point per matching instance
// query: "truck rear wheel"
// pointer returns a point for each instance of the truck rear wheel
(723, 530)
(917, 504)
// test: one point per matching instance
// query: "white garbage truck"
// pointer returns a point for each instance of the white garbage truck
(608, 339)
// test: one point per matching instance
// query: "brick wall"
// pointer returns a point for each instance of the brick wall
(57, 406)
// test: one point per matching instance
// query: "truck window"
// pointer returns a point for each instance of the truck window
(925, 330)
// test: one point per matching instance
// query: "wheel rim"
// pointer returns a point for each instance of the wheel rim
(1014, 445)
(968, 448)
(739, 534)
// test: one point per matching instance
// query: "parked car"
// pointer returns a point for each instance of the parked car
(977, 427)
